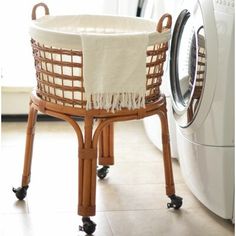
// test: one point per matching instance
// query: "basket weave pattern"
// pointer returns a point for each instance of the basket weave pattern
(59, 74)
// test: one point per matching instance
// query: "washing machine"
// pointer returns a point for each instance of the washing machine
(202, 91)
(154, 9)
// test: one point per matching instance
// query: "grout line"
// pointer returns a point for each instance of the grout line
(108, 221)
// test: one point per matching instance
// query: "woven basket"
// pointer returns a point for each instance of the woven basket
(58, 53)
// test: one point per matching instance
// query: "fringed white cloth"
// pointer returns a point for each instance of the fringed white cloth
(114, 70)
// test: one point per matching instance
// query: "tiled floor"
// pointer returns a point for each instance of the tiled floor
(131, 201)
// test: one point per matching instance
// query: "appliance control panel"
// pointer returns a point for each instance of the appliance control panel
(226, 6)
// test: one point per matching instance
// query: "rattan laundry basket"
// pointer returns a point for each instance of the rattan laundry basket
(57, 47)
(58, 56)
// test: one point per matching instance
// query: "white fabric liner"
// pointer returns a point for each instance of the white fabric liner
(118, 80)
(65, 31)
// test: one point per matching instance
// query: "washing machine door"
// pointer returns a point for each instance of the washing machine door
(187, 65)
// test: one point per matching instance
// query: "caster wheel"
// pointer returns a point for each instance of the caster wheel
(20, 192)
(102, 172)
(88, 226)
(176, 202)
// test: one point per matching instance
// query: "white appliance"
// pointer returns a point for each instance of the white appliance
(202, 90)
(154, 9)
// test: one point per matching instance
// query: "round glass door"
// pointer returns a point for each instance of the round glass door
(187, 65)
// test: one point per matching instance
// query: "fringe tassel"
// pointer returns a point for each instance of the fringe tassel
(114, 102)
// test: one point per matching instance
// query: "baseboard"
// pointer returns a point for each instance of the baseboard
(24, 117)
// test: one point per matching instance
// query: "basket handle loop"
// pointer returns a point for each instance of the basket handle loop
(160, 26)
(41, 4)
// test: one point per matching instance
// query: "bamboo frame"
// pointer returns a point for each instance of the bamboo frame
(106, 146)
(50, 69)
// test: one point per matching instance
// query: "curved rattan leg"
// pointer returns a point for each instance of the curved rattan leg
(170, 188)
(87, 172)
(29, 145)
(106, 146)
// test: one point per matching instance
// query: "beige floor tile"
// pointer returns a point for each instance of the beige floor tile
(140, 197)
(13, 140)
(48, 224)
(141, 172)
(130, 197)
(9, 178)
(130, 201)
(132, 145)
(8, 203)
(53, 186)
(184, 222)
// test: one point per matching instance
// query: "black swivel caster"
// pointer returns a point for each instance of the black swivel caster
(20, 192)
(176, 202)
(88, 226)
(102, 172)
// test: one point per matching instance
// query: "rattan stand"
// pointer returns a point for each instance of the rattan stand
(94, 143)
